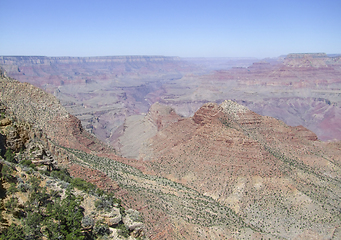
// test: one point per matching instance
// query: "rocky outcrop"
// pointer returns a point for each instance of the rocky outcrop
(133, 222)
(114, 217)
(208, 113)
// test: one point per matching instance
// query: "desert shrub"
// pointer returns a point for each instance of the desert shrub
(123, 231)
(9, 156)
(135, 215)
(65, 217)
(34, 184)
(61, 174)
(23, 187)
(99, 192)
(11, 204)
(32, 225)
(28, 163)
(103, 204)
(12, 189)
(13, 232)
(88, 221)
(83, 185)
(6, 172)
(63, 185)
(101, 228)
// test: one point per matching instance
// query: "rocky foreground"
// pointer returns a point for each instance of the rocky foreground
(224, 173)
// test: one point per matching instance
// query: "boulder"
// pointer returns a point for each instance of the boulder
(5, 122)
(132, 220)
(114, 217)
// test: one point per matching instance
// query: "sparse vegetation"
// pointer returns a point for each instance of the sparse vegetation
(9, 156)
(45, 214)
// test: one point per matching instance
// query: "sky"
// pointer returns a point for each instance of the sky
(184, 28)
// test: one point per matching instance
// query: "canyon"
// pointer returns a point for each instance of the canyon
(200, 152)
(299, 89)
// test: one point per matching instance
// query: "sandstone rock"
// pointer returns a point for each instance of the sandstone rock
(36, 149)
(16, 137)
(5, 122)
(132, 220)
(114, 217)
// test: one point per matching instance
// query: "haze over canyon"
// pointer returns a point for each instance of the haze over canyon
(223, 148)
(300, 89)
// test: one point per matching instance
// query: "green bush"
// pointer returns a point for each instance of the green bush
(107, 202)
(11, 204)
(64, 218)
(6, 172)
(101, 228)
(23, 187)
(88, 221)
(13, 232)
(28, 163)
(123, 231)
(12, 189)
(9, 156)
(61, 174)
(82, 185)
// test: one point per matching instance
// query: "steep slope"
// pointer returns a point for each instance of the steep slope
(277, 178)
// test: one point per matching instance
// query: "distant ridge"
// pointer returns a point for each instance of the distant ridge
(304, 55)
(49, 60)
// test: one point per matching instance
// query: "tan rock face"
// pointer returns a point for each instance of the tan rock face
(114, 217)
(5, 122)
(162, 115)
(132, 220)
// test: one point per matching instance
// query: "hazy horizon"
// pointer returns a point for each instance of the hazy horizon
(186, 29)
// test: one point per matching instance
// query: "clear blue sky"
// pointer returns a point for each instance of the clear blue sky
(185, 28)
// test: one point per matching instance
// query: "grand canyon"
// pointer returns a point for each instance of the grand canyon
(223, 148)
